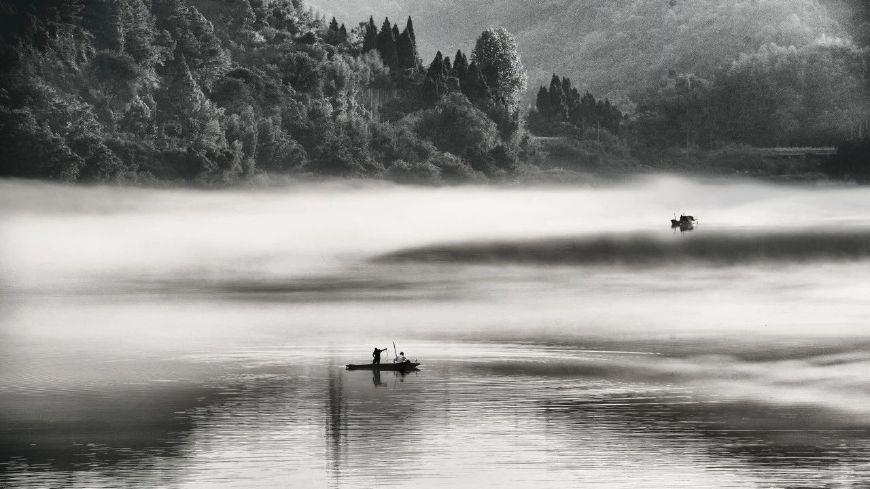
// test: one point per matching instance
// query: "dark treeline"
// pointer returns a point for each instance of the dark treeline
(397, 50)
(560, 108)
(817, 95)
(813, 96)
(215, 92)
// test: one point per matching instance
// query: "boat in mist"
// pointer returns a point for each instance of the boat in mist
(685, 223)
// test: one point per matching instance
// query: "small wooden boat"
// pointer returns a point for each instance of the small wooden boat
(685, 223)
(401, 367)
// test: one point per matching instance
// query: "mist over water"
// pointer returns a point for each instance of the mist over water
(201, 334)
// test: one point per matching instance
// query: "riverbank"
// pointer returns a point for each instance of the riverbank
(565, 159)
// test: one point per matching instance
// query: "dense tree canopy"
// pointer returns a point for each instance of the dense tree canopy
(560, 104)
(213, 92)
(498, 60)
(775, 96)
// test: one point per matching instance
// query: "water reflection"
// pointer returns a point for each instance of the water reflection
(205, 345)
(336, 423)
(477, 416)
(56, 435)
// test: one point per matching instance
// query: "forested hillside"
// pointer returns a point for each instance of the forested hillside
(614, 48)
(220, 91)
(215, 91)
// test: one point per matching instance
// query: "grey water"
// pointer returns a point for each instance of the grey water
(567, 336)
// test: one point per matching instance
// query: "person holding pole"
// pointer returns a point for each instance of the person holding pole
(376, 355)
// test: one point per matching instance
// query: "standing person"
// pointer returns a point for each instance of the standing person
(376, 355)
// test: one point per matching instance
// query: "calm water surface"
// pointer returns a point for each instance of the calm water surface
(169, 338)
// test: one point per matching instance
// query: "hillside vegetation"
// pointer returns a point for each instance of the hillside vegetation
(214, 92)
(617, 47)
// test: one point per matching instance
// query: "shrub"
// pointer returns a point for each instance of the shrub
(416, 173)
(852, 161)
(453, 169)
(30, 150)
(455, 125)
(390, 142)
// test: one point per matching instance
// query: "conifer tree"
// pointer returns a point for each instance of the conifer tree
(557, 99)
(342, 34)
(387, 45)
(542, 101)
(448, 67)
(406, 48)
(474, 85)
(573, 98)
(370, 38)
(404, 51)
(331, 35)
(410, 28)
(566, 86)
(435, 84)
(182, 105)
(574, 108)
(460, 65)
(587, 109)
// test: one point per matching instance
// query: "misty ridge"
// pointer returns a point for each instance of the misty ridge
(213, 92)
(643, 249)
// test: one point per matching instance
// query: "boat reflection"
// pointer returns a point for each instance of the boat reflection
(366, 419)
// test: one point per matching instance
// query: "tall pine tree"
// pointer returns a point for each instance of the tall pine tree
(410, 28)
(406, 48)
(332, 36)
(405, 52)
(460, 65)
(435, 83)
(474, 84)
(342, 34)
(542, 102)
(587, 109)
(574, 108)
(370, 38)
(557, 100)
(387, 45)
(566, 86)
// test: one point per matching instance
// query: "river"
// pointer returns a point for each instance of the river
(567, 335)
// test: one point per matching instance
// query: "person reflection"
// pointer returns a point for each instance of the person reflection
(376, 378)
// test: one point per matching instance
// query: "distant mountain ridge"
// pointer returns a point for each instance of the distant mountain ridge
(613, 47)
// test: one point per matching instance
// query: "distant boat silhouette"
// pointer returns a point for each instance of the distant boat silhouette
(685, 223)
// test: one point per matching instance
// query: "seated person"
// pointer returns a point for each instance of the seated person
(401, 358)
